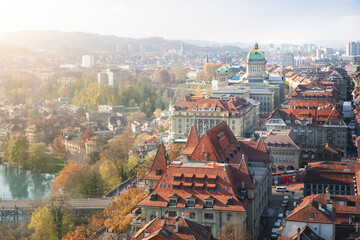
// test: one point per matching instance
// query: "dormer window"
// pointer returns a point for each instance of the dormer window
(177, 177)
(153, 197)
(158, 172)
(230, 201)
(311, 215)
(212, 179)
(209, 204)
(190, 201)
(188, 177)
(173, 200)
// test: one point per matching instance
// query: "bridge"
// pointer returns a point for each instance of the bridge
(81, 206)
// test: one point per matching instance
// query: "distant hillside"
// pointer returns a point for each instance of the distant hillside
(53, 40)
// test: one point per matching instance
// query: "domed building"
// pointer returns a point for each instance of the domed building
(268, 91)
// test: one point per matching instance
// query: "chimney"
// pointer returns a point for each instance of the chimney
(357, 227)
(162, 221)
(170, 228)
(143, 221)
(177, 224)
(166, 213)
(298, 234)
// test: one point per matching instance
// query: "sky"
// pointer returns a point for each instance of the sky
(265, 21)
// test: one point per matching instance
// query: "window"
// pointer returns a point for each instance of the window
(192, 215)
(212, 181)
(208, 204)
(209, 216)
(341, 203)
(188, 179)
(172, 214)
(177, 179)
(200, 180)
(190, 203)
(351, 204)
(172, 202)
(311, 215)
(229, 216)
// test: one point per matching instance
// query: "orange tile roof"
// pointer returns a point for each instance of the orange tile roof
(255, 150)
(160, 162)
(188, 230)
(226, 186)
(191, 142)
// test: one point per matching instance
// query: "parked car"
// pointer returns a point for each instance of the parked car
(282, 189)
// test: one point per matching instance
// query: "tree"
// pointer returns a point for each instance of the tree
(179, 74)
(90, 184)
(234, 230)
(145, 166)
(43, 225)
(161, 76)
(59, 145)
(136, 116)
(210, 70)
(157, 112)
(16, 151)
(88, 133)
(174, 151)
(67, 179)
(80, 233)
(38, 157)
(117, 149)
(94, 157)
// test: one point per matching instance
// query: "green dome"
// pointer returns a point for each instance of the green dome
(256, 54)
(224, 69)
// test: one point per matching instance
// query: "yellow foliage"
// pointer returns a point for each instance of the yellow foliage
(42, 222)
(109, 174)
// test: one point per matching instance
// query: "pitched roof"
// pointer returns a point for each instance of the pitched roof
(283, 138)
(228, 183)
(255, 150)
(187, 230)
(217, 144)
(160, 162)
(305, 233)
(191, 142)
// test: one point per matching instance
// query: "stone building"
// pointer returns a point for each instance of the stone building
(240, 114)
(285, 148)
(269, 93)
(214, 184)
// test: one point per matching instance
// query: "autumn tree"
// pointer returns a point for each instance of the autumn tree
(67, 179)
(179, 74)
(88, 133)
(16, 150)
(115, 215)
(94, 157)
(136, 116)
(210, 70)
(59, 145)
(143, 168)
(118, 148)
(157, 112)
(174, 150)
(80, 233)
(161, 76)
(39, 157)
(51, 221)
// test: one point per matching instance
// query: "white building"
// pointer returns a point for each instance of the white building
(88, 61)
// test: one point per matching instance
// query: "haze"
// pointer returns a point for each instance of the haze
(224, 21)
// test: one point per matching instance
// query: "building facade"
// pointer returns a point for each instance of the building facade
(240, 114)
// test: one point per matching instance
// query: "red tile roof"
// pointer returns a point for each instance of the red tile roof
(228, 180)
(187, 230)
(255, 150)
(191, 142)
(160, 162)
(217, 144)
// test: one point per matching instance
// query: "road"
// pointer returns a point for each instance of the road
(75, 203)
(275, 206)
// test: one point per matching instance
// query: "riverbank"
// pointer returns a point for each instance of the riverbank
(52, 166)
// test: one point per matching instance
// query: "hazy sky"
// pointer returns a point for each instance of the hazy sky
(266, 21)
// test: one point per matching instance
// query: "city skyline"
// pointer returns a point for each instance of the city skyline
(231, 21)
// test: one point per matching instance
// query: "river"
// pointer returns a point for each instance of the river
(16, 183)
